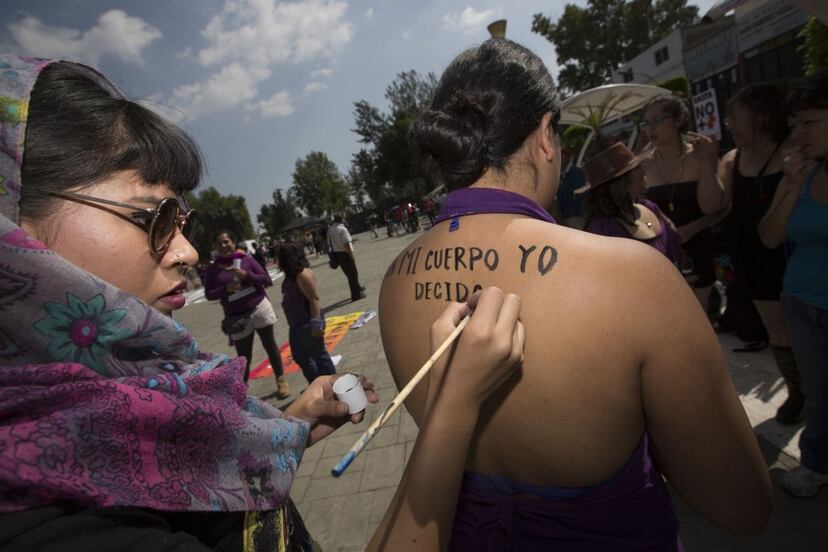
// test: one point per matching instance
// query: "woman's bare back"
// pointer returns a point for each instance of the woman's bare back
(616, 345)
(574, 416)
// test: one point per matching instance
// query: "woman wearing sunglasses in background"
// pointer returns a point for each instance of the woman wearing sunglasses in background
(682, 180)
(239, 281)
(115, 429)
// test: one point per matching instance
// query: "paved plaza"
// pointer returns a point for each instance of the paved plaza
(343, 513)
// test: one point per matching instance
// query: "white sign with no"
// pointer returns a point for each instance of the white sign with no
(706, 114)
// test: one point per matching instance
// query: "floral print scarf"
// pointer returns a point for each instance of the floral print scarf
(104, 401)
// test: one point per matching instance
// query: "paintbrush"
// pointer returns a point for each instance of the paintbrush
(398, 400)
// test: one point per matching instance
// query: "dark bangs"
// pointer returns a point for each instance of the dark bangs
(157, 150)
(81, 130)
(810, 93)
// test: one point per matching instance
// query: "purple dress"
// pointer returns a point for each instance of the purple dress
(668, 241)
(630, 511)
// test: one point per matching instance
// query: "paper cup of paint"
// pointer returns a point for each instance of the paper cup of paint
(236, 263)
(349, 390)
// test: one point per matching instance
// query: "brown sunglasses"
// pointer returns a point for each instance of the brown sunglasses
(159, 223)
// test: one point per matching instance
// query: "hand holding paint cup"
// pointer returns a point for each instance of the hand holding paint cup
(349, 390)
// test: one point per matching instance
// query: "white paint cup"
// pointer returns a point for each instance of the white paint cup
(349, 389)
(237, 263)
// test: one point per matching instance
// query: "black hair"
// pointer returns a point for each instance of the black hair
(611, 199)
(81, 130)
(765, 103)
(810, 93)
(227, 232)
(291, 259)
(675, 107)
(488, 101)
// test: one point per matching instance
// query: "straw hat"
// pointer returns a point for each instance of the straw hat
(608, 164)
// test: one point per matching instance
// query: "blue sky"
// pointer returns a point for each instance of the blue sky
(260, 83)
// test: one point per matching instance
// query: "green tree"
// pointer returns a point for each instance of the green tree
(363, 178)
(370, 123)
(275, 216)
(678, 85)
(389, 157)
(592, 42)
(816, 45)
(408, 93)
(318, 186)
(218, 212)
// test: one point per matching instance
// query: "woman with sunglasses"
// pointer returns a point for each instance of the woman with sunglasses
(238, 281)
(116, 429)
(682, 179)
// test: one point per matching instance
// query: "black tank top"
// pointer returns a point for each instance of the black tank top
(758, 269)
(677, 200)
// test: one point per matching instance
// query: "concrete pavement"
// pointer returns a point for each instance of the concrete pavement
(343, 513)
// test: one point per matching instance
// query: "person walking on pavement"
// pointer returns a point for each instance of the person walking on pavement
(238, 282)
(303, 311)
(343, 250)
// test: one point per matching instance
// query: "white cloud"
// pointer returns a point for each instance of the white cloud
(232, 86)
(264, 32)
(407, 34)
(321, 73)
(116, 34)
(369, 13)
(249, 38)
(278, 105)
(315, 86)
(469, 20)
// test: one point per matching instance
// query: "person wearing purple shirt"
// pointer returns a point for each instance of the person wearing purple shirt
(238, 282)
(614, 207)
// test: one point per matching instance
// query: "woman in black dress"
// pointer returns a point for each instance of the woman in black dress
(682, 179)
(751, 173)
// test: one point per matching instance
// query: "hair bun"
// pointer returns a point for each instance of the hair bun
(451, 142)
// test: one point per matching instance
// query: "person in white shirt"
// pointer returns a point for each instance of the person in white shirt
(343, 250)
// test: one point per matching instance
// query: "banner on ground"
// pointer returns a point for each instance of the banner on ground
(335, 329)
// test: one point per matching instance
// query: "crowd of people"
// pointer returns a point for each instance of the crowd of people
(117, 428)
(673, 195)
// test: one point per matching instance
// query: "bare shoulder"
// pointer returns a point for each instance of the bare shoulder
(730, 156)
(306, 275)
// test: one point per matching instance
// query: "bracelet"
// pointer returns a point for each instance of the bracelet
(317, 323)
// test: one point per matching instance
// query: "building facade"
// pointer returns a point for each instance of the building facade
(663, 60)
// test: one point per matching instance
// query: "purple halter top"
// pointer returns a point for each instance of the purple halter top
(630, 511)
(474, 201)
